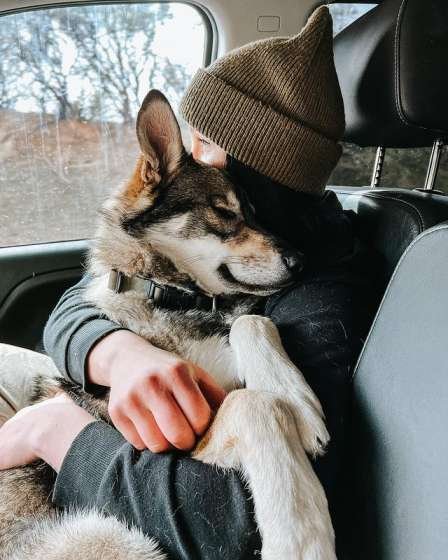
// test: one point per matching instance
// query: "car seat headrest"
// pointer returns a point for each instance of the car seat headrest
(392, 65)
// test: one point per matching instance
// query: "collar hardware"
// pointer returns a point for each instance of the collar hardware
(160, 295)
(115, 281)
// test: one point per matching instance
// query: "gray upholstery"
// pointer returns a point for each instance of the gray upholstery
(398, 476)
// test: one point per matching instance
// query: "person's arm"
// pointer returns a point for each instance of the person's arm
(194, 510)
(157, 400)
(171, 497)
(72, 330)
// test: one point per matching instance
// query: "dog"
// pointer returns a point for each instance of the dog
(180, 260)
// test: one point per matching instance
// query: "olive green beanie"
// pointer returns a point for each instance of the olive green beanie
(275, 105)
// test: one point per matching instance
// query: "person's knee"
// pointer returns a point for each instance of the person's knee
(18, 369)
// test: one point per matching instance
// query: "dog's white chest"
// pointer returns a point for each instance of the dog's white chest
(216, 357)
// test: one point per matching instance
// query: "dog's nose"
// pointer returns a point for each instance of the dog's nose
(293, 261)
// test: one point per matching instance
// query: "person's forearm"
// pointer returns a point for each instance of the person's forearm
(52, 445)
(45, 430)
(72, 330)
(172, 498)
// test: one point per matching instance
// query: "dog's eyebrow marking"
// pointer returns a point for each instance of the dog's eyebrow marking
(218, 199)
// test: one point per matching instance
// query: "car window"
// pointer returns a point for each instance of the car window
(71, 81)
(403, 168)
(345, 13)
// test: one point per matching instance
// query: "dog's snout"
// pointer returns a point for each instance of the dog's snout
(293, 260)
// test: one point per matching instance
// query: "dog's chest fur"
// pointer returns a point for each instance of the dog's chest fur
(198, 336)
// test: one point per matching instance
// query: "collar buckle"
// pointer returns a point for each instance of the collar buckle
(115, 282)
(156, 293)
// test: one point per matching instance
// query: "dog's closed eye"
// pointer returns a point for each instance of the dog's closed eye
(224, 213)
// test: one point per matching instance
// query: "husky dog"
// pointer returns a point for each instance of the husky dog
(180, 260)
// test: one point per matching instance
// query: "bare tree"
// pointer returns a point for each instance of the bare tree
(41, 53)
(116, 53)
(9, 92)
(108, 51)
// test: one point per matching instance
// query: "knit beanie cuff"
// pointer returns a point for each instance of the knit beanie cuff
(273, 144)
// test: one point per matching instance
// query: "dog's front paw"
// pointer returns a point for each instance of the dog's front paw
(218, 446)
(311, 426)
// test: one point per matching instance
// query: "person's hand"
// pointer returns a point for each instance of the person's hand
(157, 400)
(44, 430)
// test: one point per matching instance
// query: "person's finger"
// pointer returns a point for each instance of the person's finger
(171, 420)
(214, 394)
(149, 431)
(126, 427)
(191, 400)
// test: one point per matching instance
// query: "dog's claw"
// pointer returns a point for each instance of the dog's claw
(311, 425)
(315, 444)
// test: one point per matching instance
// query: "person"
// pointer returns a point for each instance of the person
(271, 115)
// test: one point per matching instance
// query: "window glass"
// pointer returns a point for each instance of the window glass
(355, 166)
(442, 177)
(403, 168)
(344, 13)
(354, 169)
(71, 80)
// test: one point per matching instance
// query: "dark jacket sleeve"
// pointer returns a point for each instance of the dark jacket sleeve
(72, 330)
(193, 510)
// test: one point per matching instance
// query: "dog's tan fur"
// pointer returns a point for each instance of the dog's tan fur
(167, 223)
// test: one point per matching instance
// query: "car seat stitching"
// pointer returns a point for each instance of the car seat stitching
(397, 95)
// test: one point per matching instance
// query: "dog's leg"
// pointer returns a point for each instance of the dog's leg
(263, 364)
(257, 432)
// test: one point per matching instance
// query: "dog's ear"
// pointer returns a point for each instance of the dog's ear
(160, 139)
(162, 150)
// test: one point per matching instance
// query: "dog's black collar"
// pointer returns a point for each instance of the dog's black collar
(159, 295)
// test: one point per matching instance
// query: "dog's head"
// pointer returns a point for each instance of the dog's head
(183, 221)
